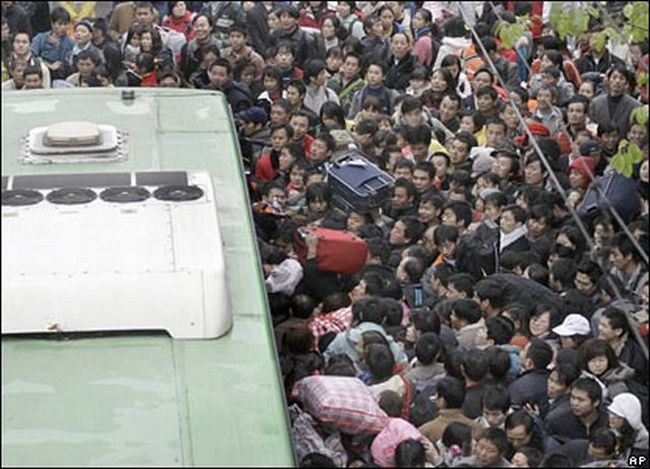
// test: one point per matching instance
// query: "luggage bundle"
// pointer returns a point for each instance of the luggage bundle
(341, 402)
(338, 251)
(357, 183)
(620, 191)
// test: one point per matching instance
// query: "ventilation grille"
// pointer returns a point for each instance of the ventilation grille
(113, 252)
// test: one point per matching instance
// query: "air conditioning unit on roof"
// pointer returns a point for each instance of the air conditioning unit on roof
(113, 252)
(74, 142)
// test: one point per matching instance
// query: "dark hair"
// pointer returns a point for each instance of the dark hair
(467, 310)
(624, 244)
(406, 184)
(454, 27)
(33, 69)
(518, 213)
(312, 68)
(287, 128)
(449, 79)
(334, 110)
(145, 61)
(496, 121)
(87, 54)
(622, 69)
(475, 365)
(462, 210)
(410, 453)
(318, 191)
(533, 455)
(564, 272)
(555, 460)
(522, 418)
(464, 283)
(202, 15)
(221, 62)
(296, 149)
(419, 135)
(491, 290)
(592, 348)
(489, 44)
(425, 320)
(380, 361)
(370, 309)
(487, 91)
(378, 247)
(497, 437)
(428, 347)
(91, 80)
(567, 373)
(452, 390)
(605, 439)
(413, 228)
(540, 353)
(315, 459)
(521, 92)
(489, 72)
(156, 39)
(445, 233)
(591, 387)
(617, 319)
(499, 362)
(391, 403)
(298, 338)
(59, 14)
(496, 398)
(500, 329)
(457, 433)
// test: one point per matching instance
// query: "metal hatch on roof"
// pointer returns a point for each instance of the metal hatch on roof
(74, 142)
(84, 254)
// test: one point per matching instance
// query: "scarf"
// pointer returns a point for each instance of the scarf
(506, 240)
(422, 32)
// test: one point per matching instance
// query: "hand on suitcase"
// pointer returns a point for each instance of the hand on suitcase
(311, 241)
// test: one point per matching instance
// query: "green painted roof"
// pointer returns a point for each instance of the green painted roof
(147, 399)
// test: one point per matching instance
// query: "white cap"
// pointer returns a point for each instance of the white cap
(627, 406)
(573, 324)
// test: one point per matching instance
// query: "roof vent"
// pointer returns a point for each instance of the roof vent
(113, 252)
(74, 142)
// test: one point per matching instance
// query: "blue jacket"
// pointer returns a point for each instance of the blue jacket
(44, 49)
(345, 343)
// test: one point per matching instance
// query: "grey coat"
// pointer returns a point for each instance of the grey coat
(599, 112)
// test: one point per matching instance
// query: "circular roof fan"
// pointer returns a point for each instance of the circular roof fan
(125, 194)
(71, 196)
(19, 197)
(178, 193)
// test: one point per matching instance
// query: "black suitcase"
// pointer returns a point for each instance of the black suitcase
(620, 191)
(358, 184)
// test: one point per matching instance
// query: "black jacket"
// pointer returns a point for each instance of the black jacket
(530, 388)
(306, 45)
(586, 63)
(258, 28)
(399, 73)
(564, 426)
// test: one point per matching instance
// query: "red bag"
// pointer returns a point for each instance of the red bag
(338, 251)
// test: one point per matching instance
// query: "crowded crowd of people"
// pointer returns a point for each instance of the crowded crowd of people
(501, 315)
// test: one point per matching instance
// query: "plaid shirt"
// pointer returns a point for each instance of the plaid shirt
(337, 321)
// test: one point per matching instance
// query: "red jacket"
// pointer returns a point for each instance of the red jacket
(149, 80)
(264, 169)
(182, 25)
